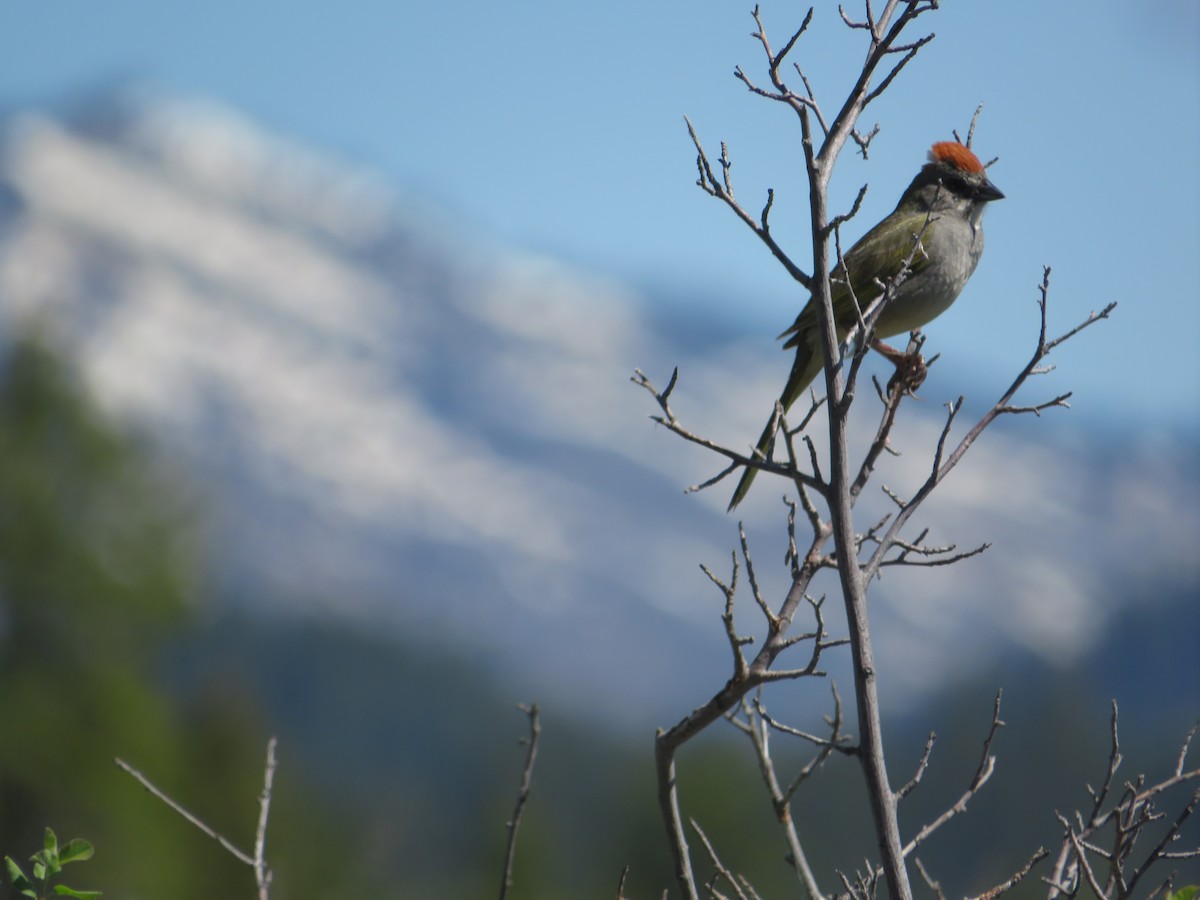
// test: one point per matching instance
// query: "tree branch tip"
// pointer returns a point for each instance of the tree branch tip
(914, 46)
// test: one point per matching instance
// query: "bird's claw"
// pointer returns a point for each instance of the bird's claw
(910, 373)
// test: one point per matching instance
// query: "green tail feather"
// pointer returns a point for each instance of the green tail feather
(804, 369)
(764, 447)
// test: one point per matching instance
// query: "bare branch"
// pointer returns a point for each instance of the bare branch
(756, 727)
(864, 140)
(1114, 762)
(668, 801)
(922, 764)
(723, 190)
(935, 886)
(840, 220)
(719, 866)
(735, 642)
(868, 25)
(987, 764)
(971, 130)
(777, 59)
(262, 874)
(1038, 855)
(145, 782)
(759, 671)
(837, 741)
(531, 742)
(944, 463)
(1130, 815)
(909, 50)
(669, 421)
(1092, 319)
(720, 476)
(812, 102)
(1183, 751)
(801, 105)
(1170, 836)
(949, 560)
(1060, 400)
(772, 619)
(1082, 861)
(621, 883)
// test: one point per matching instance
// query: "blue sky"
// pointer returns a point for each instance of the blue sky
(557, 127)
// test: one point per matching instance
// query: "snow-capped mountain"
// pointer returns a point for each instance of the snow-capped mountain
(410, 427)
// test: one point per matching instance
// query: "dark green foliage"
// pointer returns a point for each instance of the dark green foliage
(96, 561)
(87, 588)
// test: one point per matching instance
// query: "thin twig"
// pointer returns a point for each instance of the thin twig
(1038, 855)
(257, 861)
(723, 190)
(719, 866)
(621, 883)
(756, 727)
(531, 742)
(983, 772)
(671, 423)
(945, 462)
(1129, 815)
(922, 765)
(934, 886)
(240, 855)
(262, 874)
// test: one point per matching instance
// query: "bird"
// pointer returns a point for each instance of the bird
(937, 227)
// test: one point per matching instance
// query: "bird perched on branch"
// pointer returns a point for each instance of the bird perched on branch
(937, 229)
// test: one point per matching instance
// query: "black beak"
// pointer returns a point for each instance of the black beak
(988, 192)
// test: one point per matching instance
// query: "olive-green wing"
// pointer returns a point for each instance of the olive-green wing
(878, 255)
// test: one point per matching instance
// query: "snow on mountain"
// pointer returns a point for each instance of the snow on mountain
(405, 426)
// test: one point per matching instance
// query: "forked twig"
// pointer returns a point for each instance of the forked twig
(255, 860)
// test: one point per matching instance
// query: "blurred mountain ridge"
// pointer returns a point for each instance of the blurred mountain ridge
(416, 431)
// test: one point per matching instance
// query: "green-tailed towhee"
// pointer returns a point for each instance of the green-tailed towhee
(950, 191)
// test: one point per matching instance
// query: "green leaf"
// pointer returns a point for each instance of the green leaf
(70, 892)
(76, 850)
(47, 857)
(45, 865)
(18, 878)
(1184, 893)
(14, 871)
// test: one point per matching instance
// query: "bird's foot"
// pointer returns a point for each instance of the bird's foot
(909, 375)
(911, 368)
